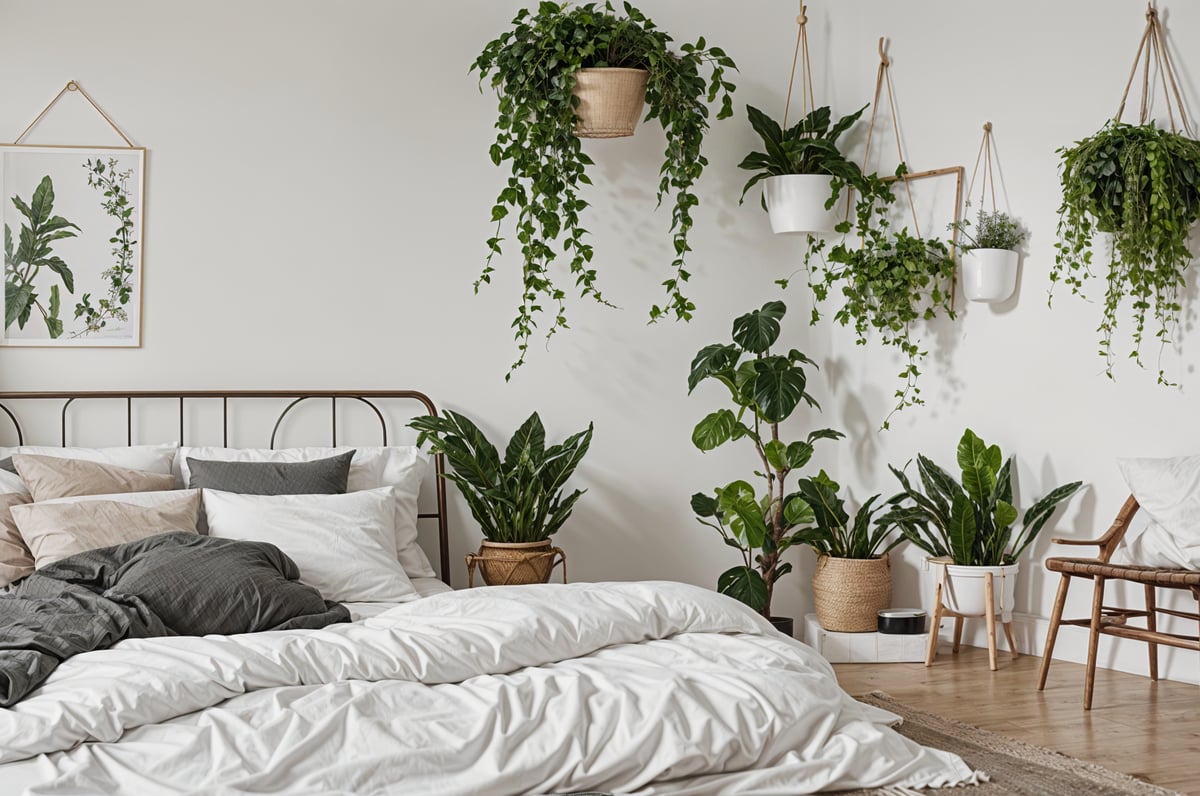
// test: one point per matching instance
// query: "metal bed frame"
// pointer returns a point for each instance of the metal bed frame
(366, 397)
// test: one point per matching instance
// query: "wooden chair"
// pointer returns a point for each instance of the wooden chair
(1110, 620)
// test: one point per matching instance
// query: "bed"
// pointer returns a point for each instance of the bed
(648, 688)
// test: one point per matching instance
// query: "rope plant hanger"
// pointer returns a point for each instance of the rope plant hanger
(1140, 185)
(893, 278)
(990, 256)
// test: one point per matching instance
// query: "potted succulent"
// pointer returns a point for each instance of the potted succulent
(967, 524)
(535, 67)
(765, 388)
(889, 283)
(990, 256)
(853, 578)
(1140, 186)
(517, 500)
(802, 171)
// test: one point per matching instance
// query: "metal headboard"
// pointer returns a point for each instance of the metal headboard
(367, 397)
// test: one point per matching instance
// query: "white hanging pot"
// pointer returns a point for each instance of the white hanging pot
(989, 274)
(796, 204)
(963, 590)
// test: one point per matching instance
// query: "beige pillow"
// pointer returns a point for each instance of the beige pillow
(61, 528)
(49, 477)
(15, 559)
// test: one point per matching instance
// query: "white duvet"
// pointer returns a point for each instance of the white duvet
(649, 688)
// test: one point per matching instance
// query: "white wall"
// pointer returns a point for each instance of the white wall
(318, 197)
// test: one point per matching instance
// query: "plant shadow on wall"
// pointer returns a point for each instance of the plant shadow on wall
(536, 68)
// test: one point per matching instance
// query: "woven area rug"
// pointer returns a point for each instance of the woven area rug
(1015, 768)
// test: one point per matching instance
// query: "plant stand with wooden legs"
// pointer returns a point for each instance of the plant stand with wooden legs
(940, 611)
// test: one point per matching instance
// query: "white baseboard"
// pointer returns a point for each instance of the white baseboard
(1123, 655)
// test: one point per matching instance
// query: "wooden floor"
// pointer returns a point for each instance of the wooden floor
(1146, 729)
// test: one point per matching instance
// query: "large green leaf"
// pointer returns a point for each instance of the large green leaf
(53, 323)
(17, 301)
(757, 331)
(59, 267)
(43, 202)
(527, 447)
(778, 388)
(704, 505)
(714, 430)
(776, 453)
(979, 464)
(746, 585)
(797, 511)
(1039, 514)
(711, 360)
(1005, 514)
(962, 531)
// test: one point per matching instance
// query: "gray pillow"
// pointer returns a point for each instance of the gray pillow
(320, 477)
(7, 464)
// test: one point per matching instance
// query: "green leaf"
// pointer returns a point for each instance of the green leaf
(1005, 514)
(527, 447)
(776, 453)
(962, 531)
(714, 430)
(778, 388)
(17, 301)
(757, 331)
(797, 511)
(746, 585)
(799, 454)
(979, 464)
(56, 265)
(704, 505)
(43, 202)
(711, 360)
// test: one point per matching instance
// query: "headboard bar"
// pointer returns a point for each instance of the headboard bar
(367, 397)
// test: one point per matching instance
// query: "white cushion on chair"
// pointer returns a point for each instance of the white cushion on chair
(1168, 491)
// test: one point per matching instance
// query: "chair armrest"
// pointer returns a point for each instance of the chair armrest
(1096, 542)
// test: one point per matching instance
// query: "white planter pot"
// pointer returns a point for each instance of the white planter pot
(989, 274)
(963, 590)
(796, 204)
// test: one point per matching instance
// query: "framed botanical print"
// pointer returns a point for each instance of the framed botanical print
(72, 219)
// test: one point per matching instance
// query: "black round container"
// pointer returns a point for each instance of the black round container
(902, 621)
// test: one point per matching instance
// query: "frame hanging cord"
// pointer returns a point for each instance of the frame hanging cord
(883, 76)
(1153, 46)
(73, 85)
(807, 96)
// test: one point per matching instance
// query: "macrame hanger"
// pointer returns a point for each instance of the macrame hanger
(989, 174)
(883, 77)
(74, 86)
(1153, 47)
(807, 98)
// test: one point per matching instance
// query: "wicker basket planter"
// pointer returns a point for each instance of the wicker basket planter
(849, 592)
(515, 563)
(610, 101)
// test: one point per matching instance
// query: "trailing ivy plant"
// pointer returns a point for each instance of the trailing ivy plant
(117, 203)
(1140, 185)
(532, 66)
(765, 388)
(24, 260)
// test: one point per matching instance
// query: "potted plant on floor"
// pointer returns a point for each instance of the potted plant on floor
(853, 578)
(544, 69)
(989, 257)
(967, 523)
(803, 172)
(765, 388)
(517, 500)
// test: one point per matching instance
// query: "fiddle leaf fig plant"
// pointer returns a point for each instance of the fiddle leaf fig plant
(33, 251)
(765, 387)
(1140, 186)
(532, 67)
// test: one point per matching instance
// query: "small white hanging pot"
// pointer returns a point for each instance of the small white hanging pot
(989, 274)
(963, 591)
(796, 204)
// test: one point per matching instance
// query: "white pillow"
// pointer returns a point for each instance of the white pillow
(11, 483)
(149, 499)
(402, 467)
(343, 544)
(147, 458)
(1168, 491)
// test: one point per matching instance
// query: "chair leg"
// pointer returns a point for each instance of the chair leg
(958, 627)
(1152, 626)
(1093, 641)
(933, 629)
(989, 598)
(1052, 635)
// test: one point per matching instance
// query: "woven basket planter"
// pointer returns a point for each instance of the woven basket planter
(849, 592)
(515, 563)
(610, 101)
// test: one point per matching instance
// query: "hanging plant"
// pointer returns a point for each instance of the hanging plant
(1140, 186)
(534, 67)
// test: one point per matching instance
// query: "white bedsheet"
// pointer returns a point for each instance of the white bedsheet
(426, 587)
(651, 688)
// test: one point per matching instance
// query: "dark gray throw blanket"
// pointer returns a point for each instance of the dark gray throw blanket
(175, 584)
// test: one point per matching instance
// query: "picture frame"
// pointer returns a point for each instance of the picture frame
(73, 225)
